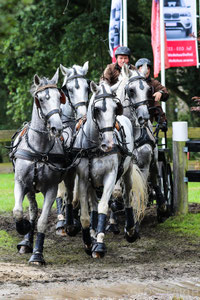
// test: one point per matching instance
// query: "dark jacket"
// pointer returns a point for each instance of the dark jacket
(157, 114)
(111, 73)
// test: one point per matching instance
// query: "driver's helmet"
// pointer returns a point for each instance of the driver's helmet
(142, 61)
(123, 51)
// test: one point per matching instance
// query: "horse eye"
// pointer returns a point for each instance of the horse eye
(41, 100)
(131, 91)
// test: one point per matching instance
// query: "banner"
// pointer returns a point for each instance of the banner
(181, 30)
(115, 27)
(155, 38)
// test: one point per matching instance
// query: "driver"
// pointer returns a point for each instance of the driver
(112, 71)
(159, 93)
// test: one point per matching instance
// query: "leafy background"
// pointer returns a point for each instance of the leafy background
(36, 36)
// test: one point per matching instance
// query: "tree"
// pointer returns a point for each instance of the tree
(36, 37)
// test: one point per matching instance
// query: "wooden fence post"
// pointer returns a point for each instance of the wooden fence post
(180, 165)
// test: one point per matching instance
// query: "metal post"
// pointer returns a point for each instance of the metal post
(162, 49)
(125, 35)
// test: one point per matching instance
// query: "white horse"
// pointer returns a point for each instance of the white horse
(135, 94)
(76, 88)
(105, 155)
(39, 162)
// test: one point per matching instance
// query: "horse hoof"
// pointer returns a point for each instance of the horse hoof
(23, 226)
(88, 249)
(37, 259)
(61, 232)
(73, 230)
(98, 250)
(161, 214)
(133, 234)
(112, 228)
(117, 205)
(25, 247)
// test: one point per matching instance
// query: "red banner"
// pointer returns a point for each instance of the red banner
(155, 38)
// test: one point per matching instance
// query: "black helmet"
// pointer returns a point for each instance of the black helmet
(123, 51)
(142, 61)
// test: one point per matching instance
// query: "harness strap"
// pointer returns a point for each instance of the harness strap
(42, 88)
(144, 139)
(106, 129)
(50, 158)
(51, 113)
(82, 103)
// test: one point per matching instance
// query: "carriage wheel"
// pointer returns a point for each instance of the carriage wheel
(169, 191)
(162, 174)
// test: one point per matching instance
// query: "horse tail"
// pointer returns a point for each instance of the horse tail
(138, 193)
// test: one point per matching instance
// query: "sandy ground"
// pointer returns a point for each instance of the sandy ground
(160, 265)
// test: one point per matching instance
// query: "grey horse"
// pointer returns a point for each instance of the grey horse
(105, 155)
(76, 88)
(134, 92)
(39, 162)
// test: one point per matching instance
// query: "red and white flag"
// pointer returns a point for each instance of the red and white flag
(155, 38)
(115, 29)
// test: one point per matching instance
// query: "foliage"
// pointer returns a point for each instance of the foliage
(36, 36)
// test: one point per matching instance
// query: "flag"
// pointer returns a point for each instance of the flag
(115, 30)
(155, 38)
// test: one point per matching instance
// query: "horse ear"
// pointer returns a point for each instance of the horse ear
(62, 97)
(36, 79)
(64, 70)
(119, 110)
(115, 86)
(94, 87)
(85, 67)
(144, 70)
(55, 77)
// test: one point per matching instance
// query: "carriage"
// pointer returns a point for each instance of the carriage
(165, 173)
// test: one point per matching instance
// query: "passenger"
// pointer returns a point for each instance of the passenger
(159, 93)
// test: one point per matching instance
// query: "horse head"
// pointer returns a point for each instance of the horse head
(48, 99)
(76, 87)
(138, 91)
(104, 110)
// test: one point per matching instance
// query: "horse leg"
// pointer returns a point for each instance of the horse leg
(85, 217)
(116, 204)
(23, 226)
(93, 202)
(49, 198)
(72, 223)
(60, 209)
(160, 199)
(135, 189)
(26, 245)
(112, 223)
(99, 248)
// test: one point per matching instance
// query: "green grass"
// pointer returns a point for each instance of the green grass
(7, 194)
(184, 224)
(7, 240)
(194, 192)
